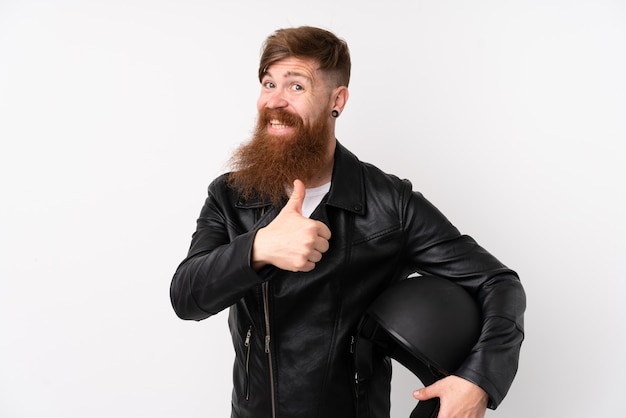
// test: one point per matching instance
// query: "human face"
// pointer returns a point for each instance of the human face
(296, 86)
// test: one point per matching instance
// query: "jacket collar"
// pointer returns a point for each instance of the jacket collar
(346, 188)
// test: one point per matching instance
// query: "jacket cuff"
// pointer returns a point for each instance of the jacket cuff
(495, 397)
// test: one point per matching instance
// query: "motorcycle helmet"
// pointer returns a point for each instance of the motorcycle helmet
(427, 324)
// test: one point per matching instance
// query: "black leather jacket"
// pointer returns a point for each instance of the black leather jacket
(292, 332)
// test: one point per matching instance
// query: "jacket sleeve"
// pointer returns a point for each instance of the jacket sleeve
(435, 246)
(216, 272)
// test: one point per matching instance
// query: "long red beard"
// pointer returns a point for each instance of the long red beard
(268, 164)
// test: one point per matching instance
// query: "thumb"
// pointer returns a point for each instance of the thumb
(425, 393)
(297, 196)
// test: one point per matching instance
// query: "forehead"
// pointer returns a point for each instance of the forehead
(293, 67)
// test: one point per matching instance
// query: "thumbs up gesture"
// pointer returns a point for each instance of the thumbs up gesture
(291, 241)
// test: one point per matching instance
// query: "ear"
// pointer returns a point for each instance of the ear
(340, 98)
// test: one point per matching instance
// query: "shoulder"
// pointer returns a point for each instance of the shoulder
(220, 193)
(386, 189)
(219, 184)
(381, 183)
(350, 168)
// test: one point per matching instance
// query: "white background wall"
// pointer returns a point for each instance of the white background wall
(115, 115)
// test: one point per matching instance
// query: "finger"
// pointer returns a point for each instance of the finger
(297, 197)
(424, 394)
(315, 256)
(321, 245)
(305, 267)
(323, 231)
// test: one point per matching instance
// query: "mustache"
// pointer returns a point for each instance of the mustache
(288, 118)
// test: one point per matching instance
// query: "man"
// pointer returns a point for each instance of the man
(301, 237)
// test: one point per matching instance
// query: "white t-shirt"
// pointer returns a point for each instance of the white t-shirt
(313, 197)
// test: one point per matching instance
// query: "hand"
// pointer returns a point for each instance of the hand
(459, 398)
(291, 241)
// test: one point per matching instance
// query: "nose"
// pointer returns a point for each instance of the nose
(275, 99)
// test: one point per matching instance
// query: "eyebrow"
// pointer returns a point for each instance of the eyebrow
(290, 74)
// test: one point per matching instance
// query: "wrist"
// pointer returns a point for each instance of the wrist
(257, 259)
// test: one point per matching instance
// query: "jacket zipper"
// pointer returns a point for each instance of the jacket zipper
(356, 374)
(247, 380)
(266, 313)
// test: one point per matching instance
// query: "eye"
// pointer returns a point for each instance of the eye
(297, 87)
(269, 85)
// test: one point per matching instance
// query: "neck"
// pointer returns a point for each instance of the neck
(325, 174)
